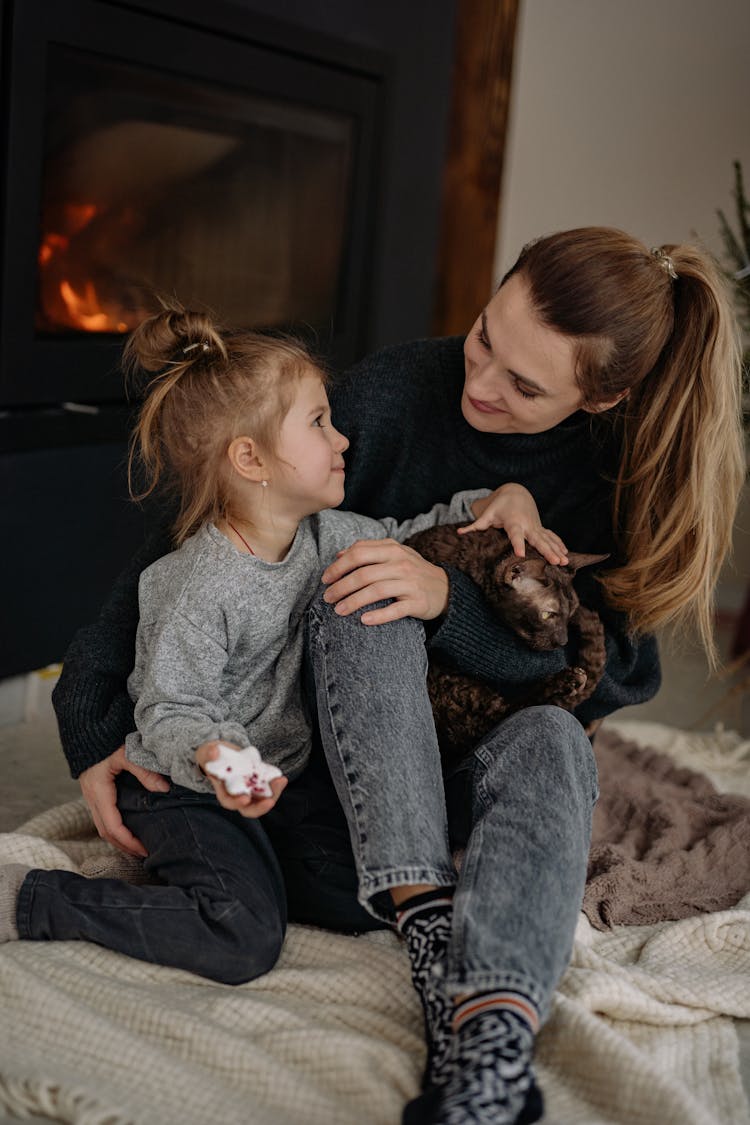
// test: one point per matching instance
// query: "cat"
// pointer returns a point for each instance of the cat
(535, 599)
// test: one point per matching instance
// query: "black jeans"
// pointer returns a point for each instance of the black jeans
(226, 885)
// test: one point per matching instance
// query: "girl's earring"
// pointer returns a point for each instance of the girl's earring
(264, 483)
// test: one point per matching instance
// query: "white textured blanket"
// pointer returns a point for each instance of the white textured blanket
(640, 1030)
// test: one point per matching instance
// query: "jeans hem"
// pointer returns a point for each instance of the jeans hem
(468, 981)
(23, 906)
(372, 885)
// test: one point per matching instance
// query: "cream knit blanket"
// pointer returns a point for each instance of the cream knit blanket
(640, 1030)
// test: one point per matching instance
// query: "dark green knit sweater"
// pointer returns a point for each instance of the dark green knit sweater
(410, 447)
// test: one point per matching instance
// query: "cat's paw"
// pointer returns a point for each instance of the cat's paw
(572, 682)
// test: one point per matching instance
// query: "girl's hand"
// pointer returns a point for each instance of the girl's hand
(243, 803)
(372, 570)
(99, 792)
(512, 507)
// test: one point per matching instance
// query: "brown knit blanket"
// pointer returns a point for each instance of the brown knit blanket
(665, 843)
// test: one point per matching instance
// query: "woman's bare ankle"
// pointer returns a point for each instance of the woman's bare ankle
(401, 894)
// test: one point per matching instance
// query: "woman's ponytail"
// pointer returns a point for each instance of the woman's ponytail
(683, 459)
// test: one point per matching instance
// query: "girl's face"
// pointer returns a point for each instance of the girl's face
(520, 374)
(307, 467)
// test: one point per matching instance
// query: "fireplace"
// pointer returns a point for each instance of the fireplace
(276, 162)
(134, 165)
(147, 156)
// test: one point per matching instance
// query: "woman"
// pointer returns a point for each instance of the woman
(605, 378)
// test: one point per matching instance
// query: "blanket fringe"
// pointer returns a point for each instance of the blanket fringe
(73, 1107)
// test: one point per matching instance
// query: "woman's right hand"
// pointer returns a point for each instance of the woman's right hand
(374, 570)
(99, 792)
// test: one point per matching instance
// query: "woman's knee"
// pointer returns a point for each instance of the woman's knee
(546, 722)
(345, 635)
(564, 731)
(325, 615)
(539, 740)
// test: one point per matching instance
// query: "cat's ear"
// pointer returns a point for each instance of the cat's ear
(513, 571)
(576, 561)
(529, 568)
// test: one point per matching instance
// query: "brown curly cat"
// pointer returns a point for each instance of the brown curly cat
(534, 598)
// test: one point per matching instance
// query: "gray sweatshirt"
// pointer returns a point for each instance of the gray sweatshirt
(220, 641)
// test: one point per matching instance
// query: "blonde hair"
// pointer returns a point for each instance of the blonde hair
(205, 385)
(673, 345)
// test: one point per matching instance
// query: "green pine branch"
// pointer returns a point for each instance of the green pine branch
(737, 247)
(743, 209)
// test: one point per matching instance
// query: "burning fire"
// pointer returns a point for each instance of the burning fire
(50, 244)
(85, 311)
(68, 297)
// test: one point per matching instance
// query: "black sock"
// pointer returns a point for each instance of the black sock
(491, 1080)
(425, 921)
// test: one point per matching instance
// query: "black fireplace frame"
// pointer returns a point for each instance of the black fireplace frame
(240, 54)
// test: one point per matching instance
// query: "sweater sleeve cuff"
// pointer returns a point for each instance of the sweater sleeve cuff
(632, 676)
(471, 639)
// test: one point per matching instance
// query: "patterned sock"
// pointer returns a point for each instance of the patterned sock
(491, 1081)
(12, 876)
(425, 921)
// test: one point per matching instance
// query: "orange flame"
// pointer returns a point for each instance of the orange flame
(52, 243)
(85, 311)
(66, 298)
(78, 216)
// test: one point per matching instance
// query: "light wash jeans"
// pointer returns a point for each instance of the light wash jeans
(521, 805)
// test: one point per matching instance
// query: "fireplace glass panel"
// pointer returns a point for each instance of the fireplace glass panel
(155, 183)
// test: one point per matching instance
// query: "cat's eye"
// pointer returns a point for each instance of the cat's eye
(546, 614)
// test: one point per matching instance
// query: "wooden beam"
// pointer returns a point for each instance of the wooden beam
(472, 177)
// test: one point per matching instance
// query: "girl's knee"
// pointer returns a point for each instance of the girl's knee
(249, 965)
(242, 953)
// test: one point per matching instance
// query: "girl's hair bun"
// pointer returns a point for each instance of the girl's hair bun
(174, 336)
(200, 386)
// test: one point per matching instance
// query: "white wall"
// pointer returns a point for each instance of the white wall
(626, 113)
(630, 113)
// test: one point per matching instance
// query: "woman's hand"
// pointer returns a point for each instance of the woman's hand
(99, 792)
(243, 803)
(512, 507)
(373, 570)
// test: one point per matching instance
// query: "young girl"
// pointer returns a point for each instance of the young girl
(241, 424)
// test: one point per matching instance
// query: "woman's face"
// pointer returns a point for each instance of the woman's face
(520, 374)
